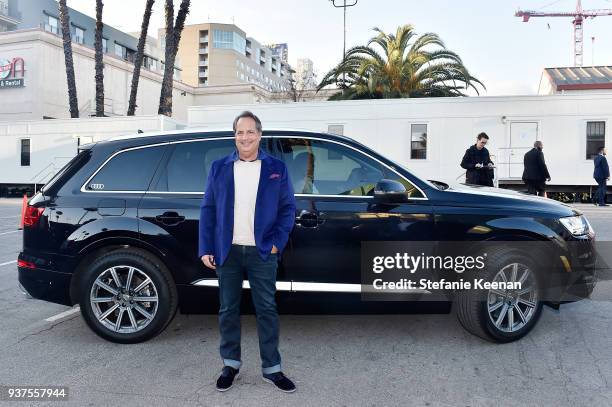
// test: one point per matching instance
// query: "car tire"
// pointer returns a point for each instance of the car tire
(493, 316)
(122, 311)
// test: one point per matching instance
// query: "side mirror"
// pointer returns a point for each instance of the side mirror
(388, 191)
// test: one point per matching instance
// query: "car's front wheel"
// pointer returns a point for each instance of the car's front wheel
(127, 296)
(503, 315)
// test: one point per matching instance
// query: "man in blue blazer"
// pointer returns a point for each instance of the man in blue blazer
(246, 216)
(601, 174)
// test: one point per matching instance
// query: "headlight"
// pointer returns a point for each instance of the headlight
(577, 225)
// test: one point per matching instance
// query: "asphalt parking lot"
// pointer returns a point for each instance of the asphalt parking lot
(348, 360)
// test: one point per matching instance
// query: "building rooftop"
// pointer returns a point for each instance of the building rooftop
(580, 77)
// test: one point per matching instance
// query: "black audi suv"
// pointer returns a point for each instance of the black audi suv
(116, 231)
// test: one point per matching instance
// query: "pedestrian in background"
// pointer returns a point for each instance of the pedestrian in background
(601, 173)
(478, 164)
(535, 172)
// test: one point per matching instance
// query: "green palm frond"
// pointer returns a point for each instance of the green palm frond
(400, 65)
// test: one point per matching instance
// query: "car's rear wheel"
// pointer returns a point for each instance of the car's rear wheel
(127, 296)
(503, 315)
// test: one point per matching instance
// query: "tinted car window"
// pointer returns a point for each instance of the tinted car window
(189, 163)
(326, 168)
(130, 170)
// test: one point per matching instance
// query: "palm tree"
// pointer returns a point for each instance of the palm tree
(139, 56)
(173, 37)
(99, 77)
(408, 67)
(67, 40)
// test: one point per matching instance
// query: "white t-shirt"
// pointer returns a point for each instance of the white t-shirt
(246, 182)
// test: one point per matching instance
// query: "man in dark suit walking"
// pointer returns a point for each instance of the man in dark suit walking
(601, 174)
(478, 164)
(535, 173)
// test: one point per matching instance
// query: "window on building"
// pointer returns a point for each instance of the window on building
(222, 39)
(418, 141)
(203, 36)
(336, 129)
(128, 171)
(25, 152)
(149, 63)
(131, 55)
(229, 40)
(104, 45)
(595, 138)
(79, 35)
(120, 51)
(52, 25)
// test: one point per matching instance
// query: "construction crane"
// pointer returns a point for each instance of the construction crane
(579, 16)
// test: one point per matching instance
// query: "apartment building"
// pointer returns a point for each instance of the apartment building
(214, 54)
(44, 14)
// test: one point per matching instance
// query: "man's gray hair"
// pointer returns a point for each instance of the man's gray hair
(247, 113)
(538, 144)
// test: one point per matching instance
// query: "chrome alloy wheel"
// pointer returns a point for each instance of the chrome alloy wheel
(510, 310)
(124, 299)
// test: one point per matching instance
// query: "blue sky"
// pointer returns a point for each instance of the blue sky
(498, 48)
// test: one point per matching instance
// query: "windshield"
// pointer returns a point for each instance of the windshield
(427, 182)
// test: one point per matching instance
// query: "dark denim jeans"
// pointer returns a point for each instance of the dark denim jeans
(262, 280)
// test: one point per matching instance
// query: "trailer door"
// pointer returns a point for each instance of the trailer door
(522, 137)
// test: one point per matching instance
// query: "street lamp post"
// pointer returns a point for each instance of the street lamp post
(344, 5)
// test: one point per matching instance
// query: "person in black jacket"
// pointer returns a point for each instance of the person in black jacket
(601, 173)
(477, 162)
(535, 173)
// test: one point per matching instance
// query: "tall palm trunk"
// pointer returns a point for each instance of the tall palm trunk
(139, 56)
(173, 37)
(99, 60)
(67, 39)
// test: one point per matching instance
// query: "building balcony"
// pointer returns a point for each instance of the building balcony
(204, 39)
(204, 50)
(203, 74)
(8, 18)
(203, 63)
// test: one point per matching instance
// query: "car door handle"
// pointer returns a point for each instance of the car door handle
(170, 218)
(308, 219)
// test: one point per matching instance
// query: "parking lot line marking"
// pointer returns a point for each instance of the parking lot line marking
(12, 231)
(8, 262)
(63, 314)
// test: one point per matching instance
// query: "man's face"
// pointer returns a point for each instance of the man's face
(481, 143)
(247, 136)
(605, 151)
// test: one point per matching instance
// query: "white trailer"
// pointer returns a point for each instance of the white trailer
(568, 125)
(32, 151)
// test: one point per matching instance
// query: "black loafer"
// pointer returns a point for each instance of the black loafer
(226, 379)
(281, 381)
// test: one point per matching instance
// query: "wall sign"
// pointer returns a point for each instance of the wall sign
(12, 73)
